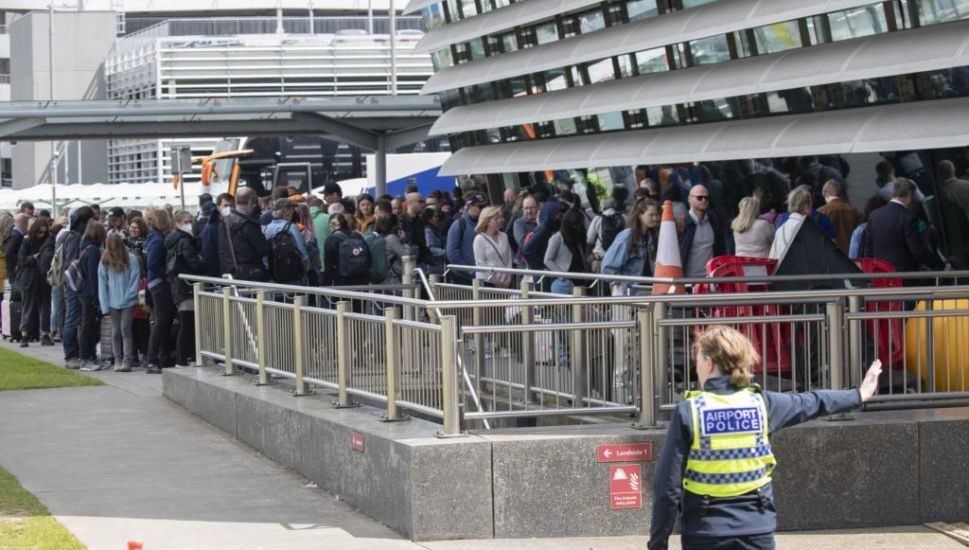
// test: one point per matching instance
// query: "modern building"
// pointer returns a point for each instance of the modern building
(551, 91)
(212, 50)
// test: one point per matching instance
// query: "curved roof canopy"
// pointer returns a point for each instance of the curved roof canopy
(905, 126)
(919, 50)
(700, 22)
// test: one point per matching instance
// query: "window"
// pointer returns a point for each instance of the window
(591, 21)
(433, 17)
(565, 127)
(442, 59)
(477, 48)
(509, 42)
(857, 23)
(777, 37)
(641, 9)
(600, 71)
(932, 12)
(695, 3)
(546, 33)
(662, 116)
(652, 61)
(610, 121)
(707, 51)
(468, 8)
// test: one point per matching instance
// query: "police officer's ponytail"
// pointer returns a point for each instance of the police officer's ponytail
(731, 352)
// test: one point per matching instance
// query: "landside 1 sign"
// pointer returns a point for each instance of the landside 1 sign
(624, 452)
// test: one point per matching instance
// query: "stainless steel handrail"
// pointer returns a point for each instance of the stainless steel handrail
(708, 280)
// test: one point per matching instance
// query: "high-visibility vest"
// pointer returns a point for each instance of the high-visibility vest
(730, 454)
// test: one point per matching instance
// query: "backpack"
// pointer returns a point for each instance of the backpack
(74, 274)
(611, 227)
(378, 257)
(55, 275)
(286, 261)
(354, 256)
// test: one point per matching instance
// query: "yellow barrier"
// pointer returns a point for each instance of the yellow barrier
(951, 345)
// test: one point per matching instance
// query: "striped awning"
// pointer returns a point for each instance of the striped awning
(906, 126)
(919, 50)
(708, 20)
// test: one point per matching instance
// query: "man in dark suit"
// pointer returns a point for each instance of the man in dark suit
(893, 234)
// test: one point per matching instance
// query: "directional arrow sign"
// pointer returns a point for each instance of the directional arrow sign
(624, 452)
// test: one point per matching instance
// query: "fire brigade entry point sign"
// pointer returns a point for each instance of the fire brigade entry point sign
(625, 487)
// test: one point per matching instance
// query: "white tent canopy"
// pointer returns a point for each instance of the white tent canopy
(126, 195)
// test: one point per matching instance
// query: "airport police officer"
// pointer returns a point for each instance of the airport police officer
(716, 461)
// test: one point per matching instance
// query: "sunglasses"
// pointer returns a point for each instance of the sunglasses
(701, 197)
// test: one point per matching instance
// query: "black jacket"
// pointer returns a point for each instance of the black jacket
(414, 232)
(32, 265)
(248, 242)
(689, 230)
(182, 257)
(893, 235)
(11, 248)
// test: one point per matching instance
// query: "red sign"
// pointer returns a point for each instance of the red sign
(625, 487)
(624, 452)
(356, 442)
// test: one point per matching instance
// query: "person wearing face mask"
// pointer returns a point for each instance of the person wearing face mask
(243, 248)
(183, 258)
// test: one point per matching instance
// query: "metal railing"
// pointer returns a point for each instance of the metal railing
(472, 353)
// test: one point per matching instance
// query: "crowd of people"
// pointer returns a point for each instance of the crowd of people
(114, 277)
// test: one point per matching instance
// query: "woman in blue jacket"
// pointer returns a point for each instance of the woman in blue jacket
(118, 277)
(633, 252)
(87, 295)
(716, 463)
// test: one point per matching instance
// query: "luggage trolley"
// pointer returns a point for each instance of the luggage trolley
(888, 334)
(772, 340)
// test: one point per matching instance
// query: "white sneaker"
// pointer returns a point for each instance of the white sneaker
(91, 366)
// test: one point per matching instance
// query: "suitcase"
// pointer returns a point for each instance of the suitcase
(5, 316)
(107, 354)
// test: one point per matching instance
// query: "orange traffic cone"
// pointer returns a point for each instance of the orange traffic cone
(668, 263)
(134, 545)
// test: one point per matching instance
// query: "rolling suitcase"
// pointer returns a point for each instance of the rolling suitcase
(106, 343)
(5, 316)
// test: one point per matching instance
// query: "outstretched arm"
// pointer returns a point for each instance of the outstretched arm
(791, 409)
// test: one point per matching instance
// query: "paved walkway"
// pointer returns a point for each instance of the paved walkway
(120, 462)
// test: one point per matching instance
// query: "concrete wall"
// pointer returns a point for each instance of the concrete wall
(877, 469)
(82, 41)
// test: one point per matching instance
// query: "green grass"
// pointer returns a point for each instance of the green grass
(19, 372)
(25, 523)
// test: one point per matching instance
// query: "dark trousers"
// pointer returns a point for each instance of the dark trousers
(142, 333)
(162, 319)
(72, 319)
(36, 314)
(749, 542)
(90, 329)
(185, 343)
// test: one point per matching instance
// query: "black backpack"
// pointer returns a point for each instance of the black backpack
(286, 261)
(354, 256)
(611, 227)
